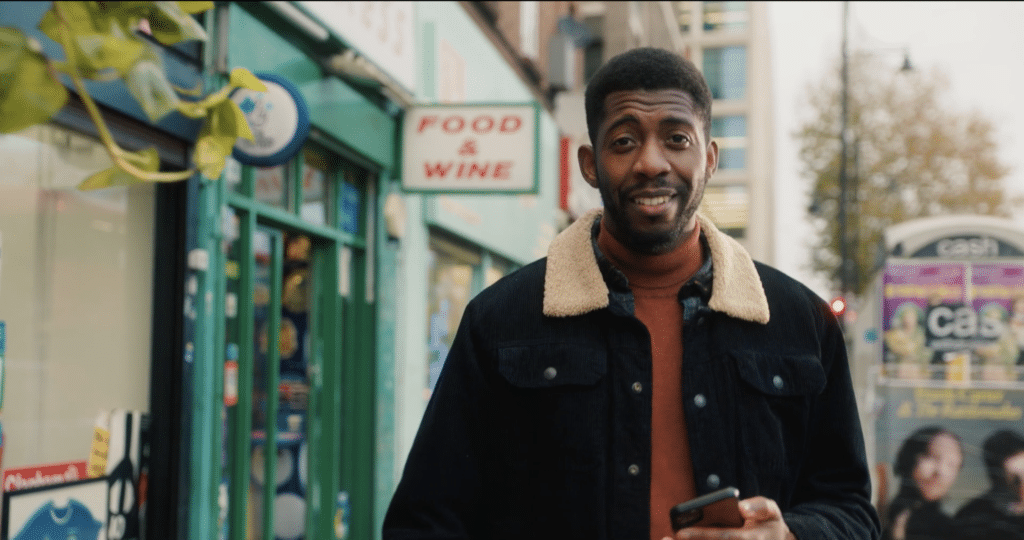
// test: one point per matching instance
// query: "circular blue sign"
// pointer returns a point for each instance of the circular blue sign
(278, 118)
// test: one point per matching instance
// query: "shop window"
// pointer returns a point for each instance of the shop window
(292, 327)
(76, 293)
(457, 272)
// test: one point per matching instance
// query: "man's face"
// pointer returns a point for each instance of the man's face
(651, 164)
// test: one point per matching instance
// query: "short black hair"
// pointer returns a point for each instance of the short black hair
(996, 449)
(646, 68)
(915, 446)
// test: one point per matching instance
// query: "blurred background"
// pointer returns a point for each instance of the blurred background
(279, 324)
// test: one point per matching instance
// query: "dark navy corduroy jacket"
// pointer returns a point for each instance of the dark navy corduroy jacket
(540, 424)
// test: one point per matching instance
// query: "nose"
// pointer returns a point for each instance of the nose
(651, 162)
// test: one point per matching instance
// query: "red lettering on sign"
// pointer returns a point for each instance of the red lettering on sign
(481, 128)
(437, 169)
(482, 124)
(511, 124)
(499, 170)
(502, 170)
(426, 122)
(453, 127)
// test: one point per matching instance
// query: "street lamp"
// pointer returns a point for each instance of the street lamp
(847, 261)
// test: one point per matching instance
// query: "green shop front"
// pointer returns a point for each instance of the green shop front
(280, 280)
(234, 319)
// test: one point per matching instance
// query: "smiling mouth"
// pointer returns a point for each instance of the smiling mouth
(652, 201)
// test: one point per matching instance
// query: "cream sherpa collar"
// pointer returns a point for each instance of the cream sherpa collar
(573, 284)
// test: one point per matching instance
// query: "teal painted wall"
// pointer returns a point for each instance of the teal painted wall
(334, 107)
(518, 227)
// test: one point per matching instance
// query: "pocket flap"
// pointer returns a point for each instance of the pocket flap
(552, 364)
(777, 375)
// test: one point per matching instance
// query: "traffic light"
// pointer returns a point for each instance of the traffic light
(838, 305)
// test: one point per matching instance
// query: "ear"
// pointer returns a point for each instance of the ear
(588, 164)
(712, 158)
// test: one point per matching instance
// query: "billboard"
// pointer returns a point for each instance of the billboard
(953, 321)
(950, 433)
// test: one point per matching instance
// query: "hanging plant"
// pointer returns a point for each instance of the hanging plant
(101, 41)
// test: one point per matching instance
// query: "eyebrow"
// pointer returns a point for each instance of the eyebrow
(671, 120)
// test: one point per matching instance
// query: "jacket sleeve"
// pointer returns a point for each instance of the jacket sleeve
(439, 494)
(832, 500)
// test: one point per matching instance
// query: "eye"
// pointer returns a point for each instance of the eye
(622, 141)
(681, 139)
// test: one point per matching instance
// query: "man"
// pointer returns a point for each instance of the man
(998, 514)
(645, 361)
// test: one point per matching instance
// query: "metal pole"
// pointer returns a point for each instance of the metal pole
(844, 281)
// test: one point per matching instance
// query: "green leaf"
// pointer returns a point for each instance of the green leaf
(114, 176)
(210, 154)
(225, 119)
(80, 19)
(148, 84)
(13, 46)
(195, 7)
(170, 24)
(33, 95)
(243, 78)
(102, 51)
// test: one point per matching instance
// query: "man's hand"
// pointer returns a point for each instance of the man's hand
(762, 521)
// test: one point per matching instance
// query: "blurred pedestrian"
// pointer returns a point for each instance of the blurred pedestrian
(645, 361)
(928, 463)
(997, 514)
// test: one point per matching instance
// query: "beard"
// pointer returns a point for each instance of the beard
(652, 242)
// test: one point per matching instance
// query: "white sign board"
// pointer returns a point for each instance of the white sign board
(380, 31)
(470, 148)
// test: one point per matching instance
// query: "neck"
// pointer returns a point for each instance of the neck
(660, 270)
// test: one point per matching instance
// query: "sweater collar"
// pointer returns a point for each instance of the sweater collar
(663, 270)
(574, 285)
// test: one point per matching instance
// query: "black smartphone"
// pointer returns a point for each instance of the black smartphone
(716, 509)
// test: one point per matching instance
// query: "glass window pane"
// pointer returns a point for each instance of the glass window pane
(76, 294)
(725, 69)
(725, 16)
(450, 282)
(270, 185)
(730, 132)
(350, 200)
(314, 194)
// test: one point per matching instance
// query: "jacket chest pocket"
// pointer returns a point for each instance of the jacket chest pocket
(775, 401)
(553, 406)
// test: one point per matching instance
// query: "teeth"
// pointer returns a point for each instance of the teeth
(651, 201)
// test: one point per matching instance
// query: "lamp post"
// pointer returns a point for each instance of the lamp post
(847, 249)
(844, 259)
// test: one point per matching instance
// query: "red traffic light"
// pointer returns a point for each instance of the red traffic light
(838, 305)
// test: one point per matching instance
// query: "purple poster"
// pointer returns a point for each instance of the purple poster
(916, 297)
(998, 301)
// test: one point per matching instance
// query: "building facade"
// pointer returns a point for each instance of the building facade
(278, 329)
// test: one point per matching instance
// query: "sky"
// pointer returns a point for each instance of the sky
(977, 45)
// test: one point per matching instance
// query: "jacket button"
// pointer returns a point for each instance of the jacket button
(634, 470)
(777, 381)
(637, 388)
(700, 401)
(713, 481)
(550, 373)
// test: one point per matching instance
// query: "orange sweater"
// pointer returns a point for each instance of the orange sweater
(655, 281)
